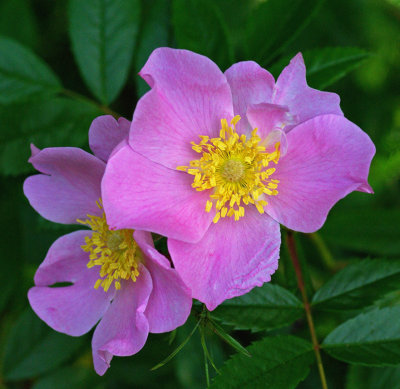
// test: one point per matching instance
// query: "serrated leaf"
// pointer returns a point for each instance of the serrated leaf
(57, 122)
(368, 230)
(359, 285)
(326, 66)
(156, 19)
(200, 27)
(277, 363)
(33, 348)
(274, 24)
(268, 307)
(23, 75)
(103, 34)
(372, 338)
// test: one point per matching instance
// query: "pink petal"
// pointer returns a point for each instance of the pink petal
(124, 328)
(231, 259)
(268, 117)
(304, 103)
(189, 97)
(74, 309)
(69, 186)
(328, 157)
(250, 84)
(144, 195)
(170, 300)
(105, 133)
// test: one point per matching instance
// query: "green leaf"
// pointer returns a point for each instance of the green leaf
(200, 27)
(33, 348)
(58, 122)
(70, 377)
(268, 307)
(103, 34)
(17, 21)
(359, 285)
(10, 242)
(23, 75)
(368, 230)
(373, 378)
(274, 24)
(372, 338)
(277, 363)
(156, 19)
(326, 66)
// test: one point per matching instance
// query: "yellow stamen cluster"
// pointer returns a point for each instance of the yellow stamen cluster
(235, 169)
(115, 251)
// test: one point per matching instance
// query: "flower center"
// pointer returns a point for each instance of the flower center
(235, 169)
(115, 251)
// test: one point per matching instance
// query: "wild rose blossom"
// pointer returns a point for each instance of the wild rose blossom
(117, 276)
(216, 161)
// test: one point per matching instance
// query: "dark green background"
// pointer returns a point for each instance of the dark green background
(360, 226)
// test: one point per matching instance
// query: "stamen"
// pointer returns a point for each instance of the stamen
(115, 251)
(235, 168)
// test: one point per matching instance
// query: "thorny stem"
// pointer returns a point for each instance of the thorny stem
(300, 282)
(78, 96)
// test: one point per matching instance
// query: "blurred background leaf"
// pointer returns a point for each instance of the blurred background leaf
(103, 34)
(23, 75)
(200, 26)
(33, 348)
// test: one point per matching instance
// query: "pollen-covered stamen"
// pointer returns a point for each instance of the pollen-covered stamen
(235, 168)
(115, 251)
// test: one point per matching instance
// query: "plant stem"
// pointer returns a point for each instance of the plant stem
(78, 96)
(300, 282)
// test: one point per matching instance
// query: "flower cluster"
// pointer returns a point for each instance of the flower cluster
(213, 161)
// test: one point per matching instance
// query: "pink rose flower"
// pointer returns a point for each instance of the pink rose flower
(116, 277)
(215, 161)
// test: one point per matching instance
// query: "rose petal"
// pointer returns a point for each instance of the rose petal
(105, 133)
(250, 84)
(189, 97)
(124, 328)
(144, 195)
(328, 157)
(69, 186)
(170, 300)
(231, 259)
(74, 309)
(304, 103)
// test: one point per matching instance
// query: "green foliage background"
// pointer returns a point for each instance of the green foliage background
(62, 63)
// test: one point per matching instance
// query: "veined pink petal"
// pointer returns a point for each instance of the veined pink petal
(189, 97)
(231, 259)
(170, 300)
(69, 186)
(250, 84)
(304, 103)
(141, 194)
(74, 309)
(123, 330)
(105, 133)
(328, 157)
